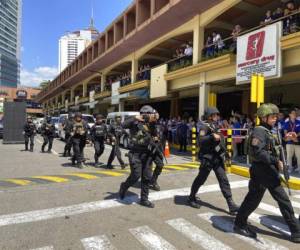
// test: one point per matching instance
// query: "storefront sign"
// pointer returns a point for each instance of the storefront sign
(259, 52)
(115, 99)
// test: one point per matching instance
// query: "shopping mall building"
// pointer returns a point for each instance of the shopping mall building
(149, 32)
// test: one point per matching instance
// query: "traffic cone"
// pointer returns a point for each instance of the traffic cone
(167, 150)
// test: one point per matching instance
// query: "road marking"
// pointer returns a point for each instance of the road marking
(19, 182)
(51, 178)
(270, 223)
(150, 239)
(175, 167)
(297, 196)
(97, 243)
(84, 176)
(58, 212)
(44, 248)
(189, 165)
(201, 238)
(107, 172)
(227, 226)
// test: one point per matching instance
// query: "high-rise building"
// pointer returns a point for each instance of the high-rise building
(10, 42)
(72, 44)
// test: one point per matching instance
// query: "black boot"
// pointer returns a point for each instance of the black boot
(26, 148)
(147, 203)
(154, 186)
(233, 208)
(245, 231)
(122, 191)
(31, 149)
(193, 202)
(109, 167)
(295, 237)
(65, 154)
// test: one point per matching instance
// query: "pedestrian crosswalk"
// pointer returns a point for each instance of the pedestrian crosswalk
(203, 231)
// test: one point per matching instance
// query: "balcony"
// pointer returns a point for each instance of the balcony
(103, 94)
(290, 41)
(135, 86)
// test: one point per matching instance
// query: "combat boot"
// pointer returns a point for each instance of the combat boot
(233, 208)
(122, 191)
(31, 149)
(245, 231)
(147, 203)
(193, 202)
(295, 237)
(154, 186)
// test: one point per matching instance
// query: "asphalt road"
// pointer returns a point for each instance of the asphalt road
(86, 214)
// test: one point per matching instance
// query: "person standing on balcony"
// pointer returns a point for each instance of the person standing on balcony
(218, 43)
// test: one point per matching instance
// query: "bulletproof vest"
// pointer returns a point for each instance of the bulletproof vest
(140, 137)
(78, 128)
(100, 130)
(118, 130)
(30, 127)
(68, 126)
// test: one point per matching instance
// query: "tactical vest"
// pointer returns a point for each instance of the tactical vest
(100, 130)
(118, 131)
(140, 137)
(30, 128)
(79, 128)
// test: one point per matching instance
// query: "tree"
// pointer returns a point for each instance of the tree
(44, 84)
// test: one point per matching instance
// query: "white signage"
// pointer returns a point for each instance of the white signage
(259, 52)
(115, 99)
(76, 100)
(92, 96)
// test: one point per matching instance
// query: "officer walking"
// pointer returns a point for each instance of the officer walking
(29, 132)
(98, 133)
(67, 126)
(48, 133)
(79, 135)
(140, 158)
(115, 132)
(264, 174)
(212, 153)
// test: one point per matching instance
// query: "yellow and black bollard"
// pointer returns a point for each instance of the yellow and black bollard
(194, 136)
(229, 150)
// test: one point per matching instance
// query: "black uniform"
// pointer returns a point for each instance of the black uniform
(68, 129)
(98, 133)
(140, 158)
(79, 135)
(115, 132)
(29, 133)
(48, 133)
(182, 131)
(264, 175)
(211, 155)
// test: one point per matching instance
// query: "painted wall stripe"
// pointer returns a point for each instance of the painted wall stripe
(97, 243)
(198, 236)
(50, 213)
(150, 239)
(227, 226)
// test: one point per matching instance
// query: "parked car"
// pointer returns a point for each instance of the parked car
(124, 140)
(1, 128)
(54, 121)
(89, 119)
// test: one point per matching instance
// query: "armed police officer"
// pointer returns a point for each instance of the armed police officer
(140, 156)
(212, 156)
(79, 136)
(98, 134)
(29, 133)
(48, 133)
(115, 132)
(264, 174)
(67, 127)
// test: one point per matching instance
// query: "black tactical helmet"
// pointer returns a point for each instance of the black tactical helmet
(78, 114)
(99, 117)
(147, 109)
(211, 111)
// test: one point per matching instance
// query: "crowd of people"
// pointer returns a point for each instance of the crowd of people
(216, 45)
(144, 73)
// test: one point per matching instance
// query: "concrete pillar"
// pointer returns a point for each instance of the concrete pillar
(103, 80)
(152, 7)
(198, 41)
(134, 69)
(84, 89)
(72, 97)
(63, 97)
(204, 89)
(121, 106)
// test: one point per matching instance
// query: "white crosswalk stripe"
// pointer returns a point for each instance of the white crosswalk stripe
(297, 196)
(44, 248)
(198, 236)
(273, 209)
(227, 226)
(150, 239)
(97, 243)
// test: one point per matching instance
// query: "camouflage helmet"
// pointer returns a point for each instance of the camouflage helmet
(267, 109)
(210, 111)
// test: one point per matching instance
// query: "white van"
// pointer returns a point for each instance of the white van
(89, 119)
(124, 115)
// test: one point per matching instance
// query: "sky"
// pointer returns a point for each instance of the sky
(45, 21)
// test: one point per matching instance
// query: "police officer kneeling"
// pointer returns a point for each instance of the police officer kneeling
(212, 155)
(264, 174)
(140, 158)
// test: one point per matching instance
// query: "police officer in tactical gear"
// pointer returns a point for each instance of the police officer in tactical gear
(79, 135)
(29, 132)
(264, 174)
(115, 131)
(158, 158)
(48, 133)
(212, 155)
(67, 126)
(140, 157)
(98, 133)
